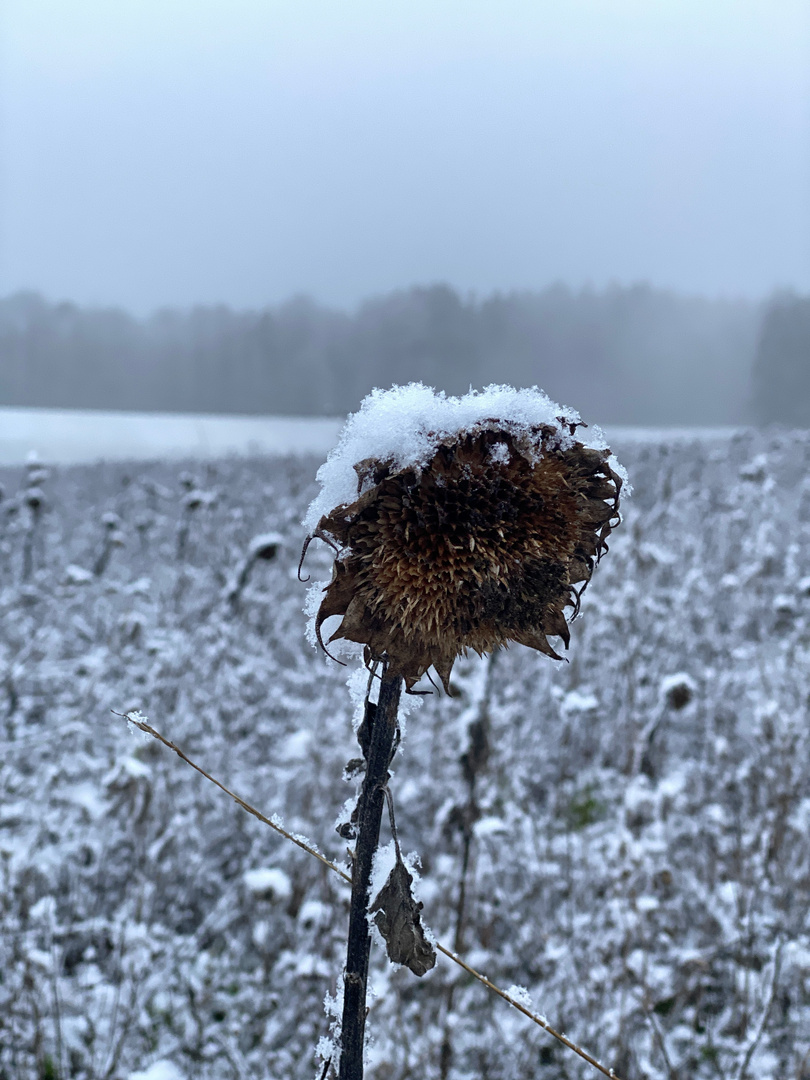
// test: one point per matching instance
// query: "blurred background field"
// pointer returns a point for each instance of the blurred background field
(628, 830)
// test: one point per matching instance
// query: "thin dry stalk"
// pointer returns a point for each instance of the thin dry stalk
(370, 808)
(534, 1017)
(147, 728)
(539, 1020)
(660, 1038)
(766, 1013)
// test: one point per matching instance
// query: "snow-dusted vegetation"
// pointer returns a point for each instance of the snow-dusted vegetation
(625, 837)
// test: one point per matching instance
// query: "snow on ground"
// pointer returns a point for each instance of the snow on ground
(72, 436)
(625, 837)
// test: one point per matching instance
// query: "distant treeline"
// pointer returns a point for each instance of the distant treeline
(621, 355)
(781, 388)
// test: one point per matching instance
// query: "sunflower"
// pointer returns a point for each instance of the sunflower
(488, 538)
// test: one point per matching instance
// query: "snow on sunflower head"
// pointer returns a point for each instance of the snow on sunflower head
(459, 523)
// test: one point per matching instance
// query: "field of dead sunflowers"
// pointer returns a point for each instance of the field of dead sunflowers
(623, 838)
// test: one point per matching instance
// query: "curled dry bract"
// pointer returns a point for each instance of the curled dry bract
(484, 544)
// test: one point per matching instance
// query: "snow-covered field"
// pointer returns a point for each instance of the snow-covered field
(74, 435)
(627, 835)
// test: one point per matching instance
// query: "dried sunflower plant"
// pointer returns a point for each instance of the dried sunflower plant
(457, 523)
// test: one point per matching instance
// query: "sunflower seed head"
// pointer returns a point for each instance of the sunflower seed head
(484, 544)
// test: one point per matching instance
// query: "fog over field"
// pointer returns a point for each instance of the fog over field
(175, 153)
(271, 209)
(629, 356)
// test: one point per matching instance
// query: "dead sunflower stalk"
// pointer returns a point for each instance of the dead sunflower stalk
(482, 528)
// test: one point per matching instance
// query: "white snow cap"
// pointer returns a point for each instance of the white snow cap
(406, 424)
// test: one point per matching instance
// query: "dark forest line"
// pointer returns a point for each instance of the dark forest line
(620, 355)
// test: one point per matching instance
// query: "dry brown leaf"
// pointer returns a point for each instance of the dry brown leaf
(398, 919)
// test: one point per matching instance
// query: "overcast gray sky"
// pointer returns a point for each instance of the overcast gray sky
(176, 151)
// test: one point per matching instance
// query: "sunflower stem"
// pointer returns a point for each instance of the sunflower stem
(370, 809)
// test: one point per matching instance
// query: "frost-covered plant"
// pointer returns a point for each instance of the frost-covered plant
(263, 548)
(34, 498)
(458, 524)
(113, 538)
(192, 502)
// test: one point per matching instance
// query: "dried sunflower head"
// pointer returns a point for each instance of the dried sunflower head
(486, 536)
